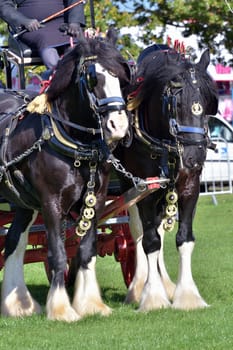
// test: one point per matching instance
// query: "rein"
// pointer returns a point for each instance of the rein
(57, 116)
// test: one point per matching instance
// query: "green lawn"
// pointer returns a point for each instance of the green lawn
(210, 328)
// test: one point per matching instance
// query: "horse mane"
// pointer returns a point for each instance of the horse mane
(154, 72)
(107, 55)
(160, 67)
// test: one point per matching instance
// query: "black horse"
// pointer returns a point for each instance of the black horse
(170, 101)
(56, 162)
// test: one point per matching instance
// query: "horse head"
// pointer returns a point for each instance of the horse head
(188, 99)
(175, 97)
(91, 77)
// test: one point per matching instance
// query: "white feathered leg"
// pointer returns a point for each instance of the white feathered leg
(187, 296)
(16, 299)
(87, 299)
(167, 282)
(154, 295)
(141, 268)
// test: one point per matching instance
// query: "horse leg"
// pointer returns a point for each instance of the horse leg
(58, 305)
(154, 295)
(87, 297)
(16, 299)
(141, 271)
(167, 282)
(141, 268)
(186, 294)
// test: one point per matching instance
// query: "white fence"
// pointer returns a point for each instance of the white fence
(217, 174)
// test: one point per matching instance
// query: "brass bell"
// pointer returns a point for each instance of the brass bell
(171, 210)
(46, 134)
(89, 213)
(169, 224)
(90, 200)
(84, 224)
(79, 232)
(171, 197)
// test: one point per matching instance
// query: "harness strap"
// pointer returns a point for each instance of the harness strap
(103, 105)
(105, 101)
(55, 115)
(154, 144)
(176, 128)
(63, 144)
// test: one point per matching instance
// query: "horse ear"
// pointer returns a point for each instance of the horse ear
(112, 36)
(204, 60)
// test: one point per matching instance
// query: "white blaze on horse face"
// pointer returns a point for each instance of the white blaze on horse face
(117, 121)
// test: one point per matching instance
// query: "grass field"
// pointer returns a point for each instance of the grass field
(126, 329)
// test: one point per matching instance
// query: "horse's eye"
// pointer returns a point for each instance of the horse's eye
(91, 77)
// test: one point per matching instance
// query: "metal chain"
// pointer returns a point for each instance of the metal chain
(139, 183)
(35, 146)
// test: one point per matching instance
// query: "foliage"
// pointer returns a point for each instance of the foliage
(3, 29)
(210, 20)
(206, 329)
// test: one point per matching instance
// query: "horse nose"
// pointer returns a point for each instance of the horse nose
(117, 124)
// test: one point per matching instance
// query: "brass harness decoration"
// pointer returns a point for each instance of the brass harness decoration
(88, 210)
(171, 211)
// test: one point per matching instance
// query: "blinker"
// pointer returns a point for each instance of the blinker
(91, 77)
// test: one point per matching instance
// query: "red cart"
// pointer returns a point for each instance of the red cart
(113, 236)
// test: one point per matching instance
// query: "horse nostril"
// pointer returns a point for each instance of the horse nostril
(111, 125)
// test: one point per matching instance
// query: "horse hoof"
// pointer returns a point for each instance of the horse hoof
(189, 301)
(106, 311)
(134, 293)
(20, 308)
(68, 315)
(154, 304)
(92, 309)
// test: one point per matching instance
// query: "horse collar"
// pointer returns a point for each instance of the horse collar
(64, 144)
(153, 144)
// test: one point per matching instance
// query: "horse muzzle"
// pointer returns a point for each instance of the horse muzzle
(194, 156)
(117, 125)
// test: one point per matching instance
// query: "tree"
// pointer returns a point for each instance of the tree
(210, 20)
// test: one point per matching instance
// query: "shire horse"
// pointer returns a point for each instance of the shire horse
(170, 103)
(56, 162)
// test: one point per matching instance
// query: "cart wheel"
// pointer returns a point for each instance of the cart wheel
(69, 274)
(125, 253)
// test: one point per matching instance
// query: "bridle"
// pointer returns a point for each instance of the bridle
(178, 131)
(171, 92)
(88, 81)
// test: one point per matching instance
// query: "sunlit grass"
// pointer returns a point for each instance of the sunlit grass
(127, 329)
